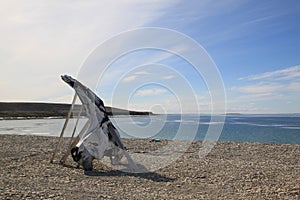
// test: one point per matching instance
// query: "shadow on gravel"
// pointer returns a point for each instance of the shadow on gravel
(149, 175)
(145, 175)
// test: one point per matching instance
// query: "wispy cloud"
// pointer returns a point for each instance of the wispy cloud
(129, 78)
(151, 92)
(247, 108)
(168, 77)
(258, 88)
(259, 20)
(142, 73)
(283, 74)
(273, 87)
(135, 76)
(254, 97)
(294, 87)
(38, 38)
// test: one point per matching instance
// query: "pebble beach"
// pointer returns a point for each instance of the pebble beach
(231, 170)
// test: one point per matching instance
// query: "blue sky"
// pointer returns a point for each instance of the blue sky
(254, 44)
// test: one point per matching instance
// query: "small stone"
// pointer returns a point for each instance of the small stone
(51, 195)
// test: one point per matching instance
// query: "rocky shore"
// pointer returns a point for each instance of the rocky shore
(229, 171)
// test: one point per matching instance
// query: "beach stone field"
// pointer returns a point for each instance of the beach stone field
(230, 171)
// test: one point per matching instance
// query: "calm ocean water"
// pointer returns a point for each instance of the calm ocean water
(283, 129)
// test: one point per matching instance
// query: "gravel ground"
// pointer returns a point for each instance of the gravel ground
(229, 171)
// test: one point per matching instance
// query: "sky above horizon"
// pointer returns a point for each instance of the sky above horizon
(255, 46)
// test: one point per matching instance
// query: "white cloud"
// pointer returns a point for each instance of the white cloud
(283, 74)
(265, 90)
(168, 103)
(255, 97)
(258, 88)
(129, 78)
(65, 98)
(247, 108)
(168, 77)
(274, 84)
(134, 77)
(142, 73)
(150, 92)
(295, 86)
(42, 38)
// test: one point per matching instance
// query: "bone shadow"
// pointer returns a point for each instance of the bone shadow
(145, 175)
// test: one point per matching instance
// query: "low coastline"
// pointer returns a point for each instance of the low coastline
(31, 110)
(232, 170)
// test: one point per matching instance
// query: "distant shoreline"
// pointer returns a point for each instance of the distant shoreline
(29, 110)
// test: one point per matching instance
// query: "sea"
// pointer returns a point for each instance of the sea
(271, 128)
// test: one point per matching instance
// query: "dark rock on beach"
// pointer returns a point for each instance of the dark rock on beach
(229, 171)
